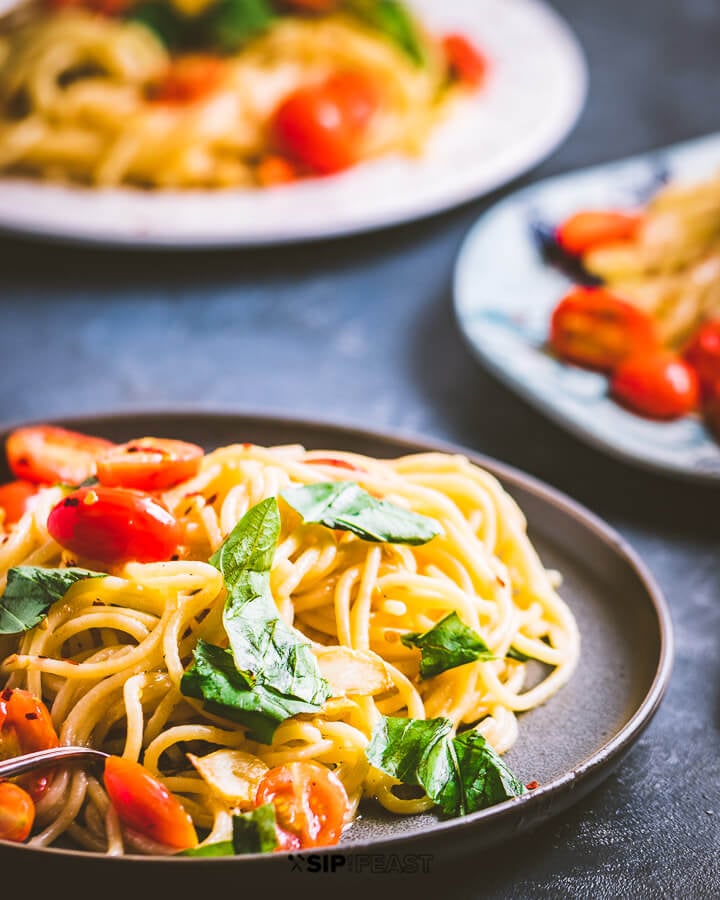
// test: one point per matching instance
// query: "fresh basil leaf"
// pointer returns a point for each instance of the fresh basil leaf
(255, 831)
(31, 591)
(395, 21)
(229, 24)
(461, 774)
(165, 22)
(214, 679)
(345, 506)
(269, 672)
(448, 644)
(221, 848)
(517, 655)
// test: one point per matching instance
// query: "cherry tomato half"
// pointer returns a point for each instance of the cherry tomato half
(586, 230)
(703, 354)
(25, 727)
(189, 78)
(17, 812)
(14, 497)
(591, 327)
(114, 525)
(149, 464)
(310, 802)
(658, 385)
(465, 60)
(144, 804)
(321, 126)
(45, 454)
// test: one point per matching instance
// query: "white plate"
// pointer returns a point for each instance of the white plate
(532, 100)
(505, 294)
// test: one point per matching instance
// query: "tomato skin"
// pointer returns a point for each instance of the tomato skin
(144, 804)
(465, 60)
(25, 727)
(274, 170)
(17, 812)
(310, 802)
(703, 354)
(588, 229)
(14, 497)
(149, 464)
(45, 454)
(659, 385)
(114, 525)
(591, 327)
(188, 79)
(321, 126)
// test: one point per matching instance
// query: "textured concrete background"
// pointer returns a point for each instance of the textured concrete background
(362, 331)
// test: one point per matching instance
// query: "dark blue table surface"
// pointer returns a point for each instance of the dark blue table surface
(362, 331)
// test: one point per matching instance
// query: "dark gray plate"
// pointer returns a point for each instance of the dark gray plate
(569, 745)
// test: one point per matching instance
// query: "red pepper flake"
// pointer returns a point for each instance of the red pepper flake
(211, 499)
(331, 461)
(532, 785)
(71, 501)
(31, 716)
(500, 581)
(6, 694)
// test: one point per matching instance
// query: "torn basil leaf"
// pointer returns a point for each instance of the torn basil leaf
(345, 506)
(517, 655)
(394, 20)
(461, 774)
(31, 591)
(253, 832)
(228, 24)
(269, 672)
(448, 644)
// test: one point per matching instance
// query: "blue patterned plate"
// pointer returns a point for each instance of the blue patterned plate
(505, 293)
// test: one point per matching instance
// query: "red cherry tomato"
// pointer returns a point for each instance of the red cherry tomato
(703, 354)
(274, 170)
(14, 497)
(658, 385)
(591, 327)
(467, 64)
(45, 454)
(145, 805)
(17, 812)
(310, 802)
(321, 126)
(587, 230)
(189, 79)
(26, 726)
(114, 525)
(149, 464)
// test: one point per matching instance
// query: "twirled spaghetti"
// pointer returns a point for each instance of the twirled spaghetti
(110, 656)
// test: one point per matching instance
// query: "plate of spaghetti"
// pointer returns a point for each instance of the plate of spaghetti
(605, 312)
(232, 122)
(315, 638)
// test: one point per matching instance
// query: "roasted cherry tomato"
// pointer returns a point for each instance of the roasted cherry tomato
(14, 497)
(17, 812)
(703, 354)
(25, 727)
(310, 802)
(114, 525)
(467, 64)
(321, 126)
(45, 454)
(149, 464)
(591, 327)
(145, 805)
(189, 79)
(274, 170)
(587, 230)
(659, 385)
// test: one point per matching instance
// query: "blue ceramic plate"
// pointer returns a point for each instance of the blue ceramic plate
(505, 293)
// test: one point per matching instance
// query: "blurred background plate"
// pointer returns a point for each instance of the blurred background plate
(533, 98)
(505, 294)
(569, 744)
